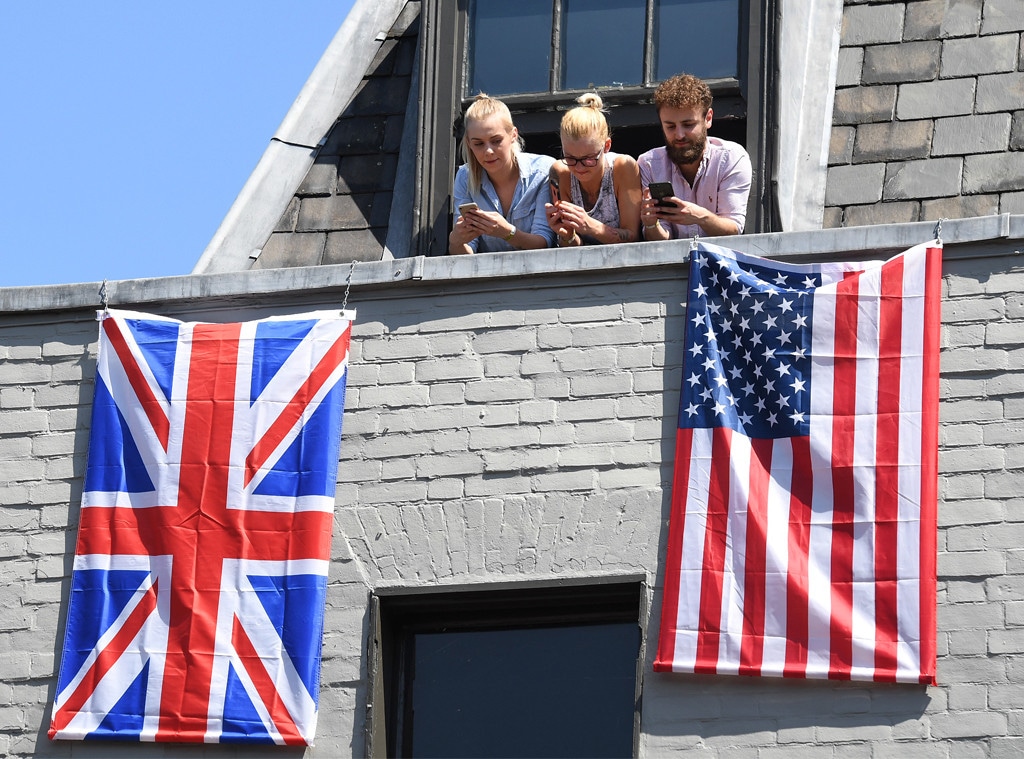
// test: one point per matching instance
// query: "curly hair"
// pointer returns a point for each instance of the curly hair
(586, 119)
(683, 91)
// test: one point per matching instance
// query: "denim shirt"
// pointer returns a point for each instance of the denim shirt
(527, 210)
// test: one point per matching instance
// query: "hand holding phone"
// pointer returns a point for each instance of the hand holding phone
(660, 191)
(463, 207)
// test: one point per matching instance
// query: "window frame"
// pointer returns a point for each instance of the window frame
(397, 614)
(445, 26)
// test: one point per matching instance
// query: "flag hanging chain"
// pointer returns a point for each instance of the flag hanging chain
(103, 295)
(938, 230)
(348, 285)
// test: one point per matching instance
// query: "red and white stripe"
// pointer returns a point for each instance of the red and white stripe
(815, 557)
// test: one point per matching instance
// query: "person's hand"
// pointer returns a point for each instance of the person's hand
(679, 211)
(463, 232)
(553, 212)
(648, 209)
(575, 219)
(490, 223)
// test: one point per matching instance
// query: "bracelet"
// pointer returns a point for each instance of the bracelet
(562, 243)
(655, 225)
(511, 234)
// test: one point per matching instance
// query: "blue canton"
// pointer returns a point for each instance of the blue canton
(748, 343)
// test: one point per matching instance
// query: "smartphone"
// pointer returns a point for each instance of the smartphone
(661, 190)
(556, 195)
(467, 207)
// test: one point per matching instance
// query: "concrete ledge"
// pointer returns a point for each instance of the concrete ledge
(825, 244)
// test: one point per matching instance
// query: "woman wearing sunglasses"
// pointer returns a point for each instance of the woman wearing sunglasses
(595, 194)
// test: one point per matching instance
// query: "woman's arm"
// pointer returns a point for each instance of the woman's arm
(626, 179)
(461, 239)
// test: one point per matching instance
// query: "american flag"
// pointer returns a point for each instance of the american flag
(802, 532)
(200, 573)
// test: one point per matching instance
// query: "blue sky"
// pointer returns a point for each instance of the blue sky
(128, 128)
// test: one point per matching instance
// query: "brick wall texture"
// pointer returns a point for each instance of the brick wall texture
(928, 120)
(523, 430)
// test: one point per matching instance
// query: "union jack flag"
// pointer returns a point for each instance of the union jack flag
(802, 533)
(200, 573)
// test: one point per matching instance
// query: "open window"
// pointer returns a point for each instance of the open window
(526, 672)
(540, 55)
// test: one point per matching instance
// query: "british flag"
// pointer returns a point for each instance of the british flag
(200, 573)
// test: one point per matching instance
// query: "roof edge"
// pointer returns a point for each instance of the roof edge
(970, 235)
(328, 91)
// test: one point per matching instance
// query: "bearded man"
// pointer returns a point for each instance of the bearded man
(710, 177)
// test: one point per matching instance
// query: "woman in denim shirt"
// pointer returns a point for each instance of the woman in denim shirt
(509, 187)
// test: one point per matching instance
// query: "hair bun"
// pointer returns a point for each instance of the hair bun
(591, 100)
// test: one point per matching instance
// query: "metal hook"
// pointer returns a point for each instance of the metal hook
(103, 295)
(938, 230)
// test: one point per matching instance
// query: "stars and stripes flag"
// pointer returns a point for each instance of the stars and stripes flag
(200, 572)
(803, 524)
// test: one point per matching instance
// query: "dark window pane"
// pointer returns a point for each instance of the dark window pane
(510, 47)
(699, 37)
(534, 692)
(602, 43)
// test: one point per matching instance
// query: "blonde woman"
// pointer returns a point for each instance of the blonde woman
(500, 191)
(599, 195)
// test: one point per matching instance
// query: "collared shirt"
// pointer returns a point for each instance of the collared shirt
(721, 185)
(527, 210)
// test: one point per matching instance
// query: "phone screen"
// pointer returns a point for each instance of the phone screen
(661, 190)
(555, 194)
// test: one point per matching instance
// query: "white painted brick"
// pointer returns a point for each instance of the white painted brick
(537, 411)
(576, 360)
(971, 459)
(576, 314)
(18, 422)
(449, 464)
(604, 432)
(497, 485)
(396, 373)
(635, 357)
(626, 333)
(23, 373)
(448, 394)
(449, 369)
(501, 365)
(1004, 334)
(968, 724)
(499, 390)
(554, 336)
(551, 387)
(505, 341)
(586, 456)
(16, 397)
(598, 384)
(502, 437)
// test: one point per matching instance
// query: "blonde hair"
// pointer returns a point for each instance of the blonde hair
(482, 108)
(586, 119)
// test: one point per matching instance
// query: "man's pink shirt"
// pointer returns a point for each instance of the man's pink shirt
(722, 183)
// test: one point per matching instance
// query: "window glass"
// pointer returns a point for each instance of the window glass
(510, 47)
(602, 43)
(542, 692)
(699, 37)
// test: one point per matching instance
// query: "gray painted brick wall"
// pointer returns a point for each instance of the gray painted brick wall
(520, 429)
(925, 80)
